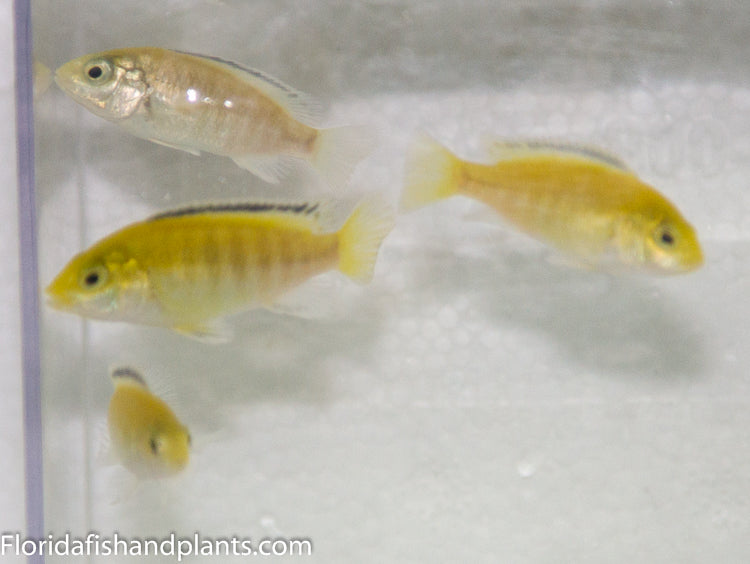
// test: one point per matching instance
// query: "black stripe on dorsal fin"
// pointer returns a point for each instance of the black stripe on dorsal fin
(301, 106)
(510, 149)
(272, 80)
(299, 208)
(586, 151)
(128, 373)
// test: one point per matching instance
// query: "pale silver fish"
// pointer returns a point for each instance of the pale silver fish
(198, 103)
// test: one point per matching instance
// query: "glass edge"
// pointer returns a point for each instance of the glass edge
(28, 280)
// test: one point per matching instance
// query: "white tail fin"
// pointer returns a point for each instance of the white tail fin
(338, 150)
(361, 236)
(431, 173)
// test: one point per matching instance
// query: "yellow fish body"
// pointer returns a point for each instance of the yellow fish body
(145, 434)
(198, 103)
(185, 268)
(584, 203)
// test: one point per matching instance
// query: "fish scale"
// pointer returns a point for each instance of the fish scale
(268, 265)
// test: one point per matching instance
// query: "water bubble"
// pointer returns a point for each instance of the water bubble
(526, 468)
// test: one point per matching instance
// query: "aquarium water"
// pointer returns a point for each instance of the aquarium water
(481, 400)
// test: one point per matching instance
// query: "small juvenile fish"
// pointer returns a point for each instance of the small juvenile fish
(198, 103)
(145, 434)
(185, 268)
(585, 203)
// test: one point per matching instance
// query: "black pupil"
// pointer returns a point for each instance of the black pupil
(95, 71)
(153, 445)
(92, 278)
(667, 238)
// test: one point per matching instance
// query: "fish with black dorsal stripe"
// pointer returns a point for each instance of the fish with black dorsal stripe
(188, 267)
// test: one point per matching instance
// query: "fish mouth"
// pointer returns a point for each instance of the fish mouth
(692, 262)
(64, 77)
(684, 265)
(57, 300)
(695, 264)
(67, 78)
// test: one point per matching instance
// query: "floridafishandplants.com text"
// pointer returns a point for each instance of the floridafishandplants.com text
(172, 545)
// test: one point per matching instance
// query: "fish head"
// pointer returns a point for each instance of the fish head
(100, 284)
(108, 84)
(167, 450)
(671, 245)
(659, 240)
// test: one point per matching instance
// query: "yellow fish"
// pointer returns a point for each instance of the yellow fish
(145, 434)
(198, 103)
(585, 203)
(185, 268)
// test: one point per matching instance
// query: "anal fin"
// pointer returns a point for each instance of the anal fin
(317, 298)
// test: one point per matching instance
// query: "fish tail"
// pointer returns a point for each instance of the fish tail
(361, 236)
(432, 174)
(338, 150)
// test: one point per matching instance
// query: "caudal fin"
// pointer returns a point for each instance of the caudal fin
(338, 150)
(361, 236)
(431, 174)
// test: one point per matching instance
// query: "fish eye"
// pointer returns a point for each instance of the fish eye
(98, 70)
(665, 236)
(94, 277)
(153, 445)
